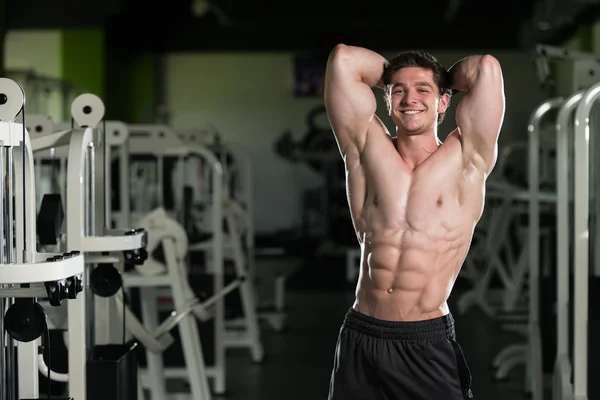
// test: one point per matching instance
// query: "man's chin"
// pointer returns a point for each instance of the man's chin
(403, 130)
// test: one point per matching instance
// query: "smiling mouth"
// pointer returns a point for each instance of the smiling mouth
(412, 112)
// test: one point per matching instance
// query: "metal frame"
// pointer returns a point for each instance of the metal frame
(31, 268)
(534, 341)
(161, 141)
(562, 388)
(82, 234)
(581, 239)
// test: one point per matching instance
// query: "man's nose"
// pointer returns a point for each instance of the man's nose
(409, 98)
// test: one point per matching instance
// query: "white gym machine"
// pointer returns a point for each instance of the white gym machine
(115, 134)
(577, 77)
(581, 239)
(113, 311)
(239, 190)
(57, 276)
(156, 336)
(533, 354)
(562, 388)
(80, 146)
(161, 142)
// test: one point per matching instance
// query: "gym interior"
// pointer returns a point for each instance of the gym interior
(174, 215)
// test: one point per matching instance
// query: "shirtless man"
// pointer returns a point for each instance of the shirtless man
(415, 203)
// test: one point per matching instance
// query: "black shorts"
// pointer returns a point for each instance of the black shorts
(378, 360)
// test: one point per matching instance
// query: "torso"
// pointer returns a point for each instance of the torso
(415, 227)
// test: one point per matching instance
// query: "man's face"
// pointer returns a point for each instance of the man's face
(415, 101)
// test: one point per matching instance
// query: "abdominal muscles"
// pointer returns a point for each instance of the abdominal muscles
(408, 274)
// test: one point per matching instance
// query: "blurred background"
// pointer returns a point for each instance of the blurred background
(251, 73)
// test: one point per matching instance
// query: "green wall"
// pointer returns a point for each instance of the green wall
(83, 59)
(125, 84)
(143, 88)
(131, 87)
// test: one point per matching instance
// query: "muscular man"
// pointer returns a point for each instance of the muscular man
(415, 202)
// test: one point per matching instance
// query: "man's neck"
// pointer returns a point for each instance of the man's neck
(414, 149)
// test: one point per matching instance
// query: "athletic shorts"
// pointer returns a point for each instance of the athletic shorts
(385, 360)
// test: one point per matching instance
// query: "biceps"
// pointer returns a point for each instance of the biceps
(350, 106)
(480, 114)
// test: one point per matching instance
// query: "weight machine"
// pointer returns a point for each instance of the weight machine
(110, 305)
(576, 77)
(25, 274)
(562, 388)
(166, 233)
(534, 344)
(584, 179)
(530, 352)
(267, 272)
(117, 203)
(538, 198)
(103, 353)
(164, 146)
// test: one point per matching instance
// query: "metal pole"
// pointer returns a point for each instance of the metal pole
(91, 231)
(10, 258)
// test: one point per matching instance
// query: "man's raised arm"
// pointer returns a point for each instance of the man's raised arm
(350, 102)
(480, 112)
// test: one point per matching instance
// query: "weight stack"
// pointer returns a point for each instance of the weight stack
(113, 372)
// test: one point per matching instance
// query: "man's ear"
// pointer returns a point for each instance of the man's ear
(443, 103)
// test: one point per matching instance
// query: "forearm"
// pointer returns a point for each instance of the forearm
(463, 73)
(367, 65)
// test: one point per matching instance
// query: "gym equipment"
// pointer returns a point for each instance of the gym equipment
(527, 323)
(105, 280)
(165, 232)
(142, 144)
(574, 75)
(562, 388)
(161, 142)
(116, 203)
(24, 273)
(534, 345)
(239, 242)
(264, 270)
(546, 58)
(50, 220)
(582, 327)
(97, 241)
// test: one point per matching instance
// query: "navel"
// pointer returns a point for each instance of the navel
(375, 201)
(440, 201)
(390, 290)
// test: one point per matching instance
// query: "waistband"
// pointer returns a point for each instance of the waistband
(436, 328)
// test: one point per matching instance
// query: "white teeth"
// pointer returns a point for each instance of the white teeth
(411, 112)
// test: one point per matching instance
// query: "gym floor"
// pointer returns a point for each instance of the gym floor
(299, 361)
